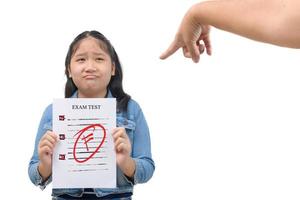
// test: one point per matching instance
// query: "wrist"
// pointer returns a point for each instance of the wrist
(44, 171)
(199, 13)
(128, 166)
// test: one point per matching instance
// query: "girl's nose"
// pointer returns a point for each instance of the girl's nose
(90, 66)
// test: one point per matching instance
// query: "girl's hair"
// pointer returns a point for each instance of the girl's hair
(115, 84)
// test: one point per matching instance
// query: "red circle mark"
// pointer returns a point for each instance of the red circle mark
(80, 133)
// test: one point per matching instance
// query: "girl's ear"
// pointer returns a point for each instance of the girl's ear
(113, 69)
(69, 72)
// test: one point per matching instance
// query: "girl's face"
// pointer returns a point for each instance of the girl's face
(91, 68)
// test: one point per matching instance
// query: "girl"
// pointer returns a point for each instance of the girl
(93, 70)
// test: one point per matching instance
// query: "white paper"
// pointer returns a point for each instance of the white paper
(84, 156)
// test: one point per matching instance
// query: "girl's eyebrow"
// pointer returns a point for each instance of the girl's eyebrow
(98, 54)
(84, 54)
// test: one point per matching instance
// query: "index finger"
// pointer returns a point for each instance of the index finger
(172, 49)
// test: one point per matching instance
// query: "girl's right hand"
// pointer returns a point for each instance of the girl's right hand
(45, 151)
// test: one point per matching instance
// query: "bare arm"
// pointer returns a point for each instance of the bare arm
(271, 21)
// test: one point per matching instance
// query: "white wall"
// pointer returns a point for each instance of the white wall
(226, 128)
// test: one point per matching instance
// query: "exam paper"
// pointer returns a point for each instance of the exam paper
(84, 156)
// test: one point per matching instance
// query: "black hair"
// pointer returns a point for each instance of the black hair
(115, 84)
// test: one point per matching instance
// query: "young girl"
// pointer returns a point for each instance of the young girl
(93, 70)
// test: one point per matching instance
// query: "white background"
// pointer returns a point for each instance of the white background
(226, 128)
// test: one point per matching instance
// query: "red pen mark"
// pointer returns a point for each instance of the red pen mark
(62, 156)
(61, 118)
(86, 139)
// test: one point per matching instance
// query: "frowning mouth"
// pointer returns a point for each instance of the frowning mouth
(89, 76)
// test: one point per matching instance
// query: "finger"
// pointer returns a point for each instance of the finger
(46, 150)
(48, 138)
(53, 135)
(120, 132)
(207, 44)
(119, 141)
(121, 147)
(117, 134)
(186, 53)
(194, 51)
(49, 135)
(117, 129)
(172, 49)
(47, 143)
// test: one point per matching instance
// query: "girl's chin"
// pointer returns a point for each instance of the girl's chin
(93, 91)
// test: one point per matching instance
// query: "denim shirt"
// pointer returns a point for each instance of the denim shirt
(137, 130)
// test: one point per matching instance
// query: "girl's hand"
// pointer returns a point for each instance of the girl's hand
(45, 151)
(122, 145)
(123, 151)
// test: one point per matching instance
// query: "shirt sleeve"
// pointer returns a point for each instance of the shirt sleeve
(141, 150)
(34, 175)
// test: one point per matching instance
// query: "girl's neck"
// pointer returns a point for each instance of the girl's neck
(92, 95)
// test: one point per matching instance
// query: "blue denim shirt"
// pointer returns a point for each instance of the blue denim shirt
(137, 130)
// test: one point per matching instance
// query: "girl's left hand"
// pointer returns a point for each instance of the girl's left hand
(122, 146)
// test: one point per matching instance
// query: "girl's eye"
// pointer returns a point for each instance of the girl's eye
(99, 59)
(80, 60)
